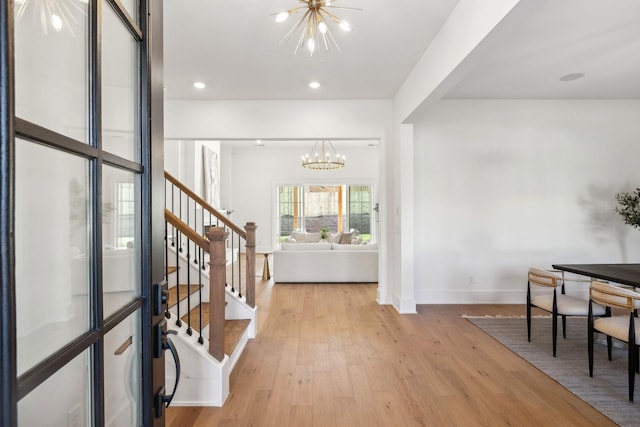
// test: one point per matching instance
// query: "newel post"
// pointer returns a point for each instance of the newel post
(250, 245)
(217, 279)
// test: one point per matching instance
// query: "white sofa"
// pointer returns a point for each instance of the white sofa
(325, 263)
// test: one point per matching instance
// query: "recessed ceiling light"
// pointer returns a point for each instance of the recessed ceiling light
(199, 85)
(259, 143)
(571, 76)
(314, 85)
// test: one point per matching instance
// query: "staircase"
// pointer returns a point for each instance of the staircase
(211, 295)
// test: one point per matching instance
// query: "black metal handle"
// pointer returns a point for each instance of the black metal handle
(168, 345)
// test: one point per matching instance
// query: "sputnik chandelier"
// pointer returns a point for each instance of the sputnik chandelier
(316, 31)
(319, 158)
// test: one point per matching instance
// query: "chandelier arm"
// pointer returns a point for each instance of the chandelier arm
(341, 7)
(325, 41)
(314, 147)
(290, 11)
(45, 9)
(311, 25)
(299, 43)
(20, 11)
(78, 7)
(295, 27)
(335, 153)
(66, 13)
(332, 39)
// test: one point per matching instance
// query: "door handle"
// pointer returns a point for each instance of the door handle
(168, 345)
(162, 400)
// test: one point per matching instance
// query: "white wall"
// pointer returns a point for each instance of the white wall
(184, 160)
(257, 170)
(501, 185)
(277, 119)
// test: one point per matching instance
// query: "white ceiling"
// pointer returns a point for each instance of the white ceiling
(596, 37)
(232, 46)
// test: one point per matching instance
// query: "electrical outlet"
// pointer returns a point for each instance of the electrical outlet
(74, 416)
(472, 280)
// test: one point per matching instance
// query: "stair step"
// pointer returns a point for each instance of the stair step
(185, 290)
(170, 269)
(233, 328)
(195, 320)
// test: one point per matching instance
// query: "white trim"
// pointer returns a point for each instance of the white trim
(471, 297)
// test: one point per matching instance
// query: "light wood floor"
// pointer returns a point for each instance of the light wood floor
(329, 355)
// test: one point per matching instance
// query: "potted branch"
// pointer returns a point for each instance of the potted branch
(324, 233)
(629, 207)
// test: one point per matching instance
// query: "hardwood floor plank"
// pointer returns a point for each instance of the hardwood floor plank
(301, 415)
(330, 355)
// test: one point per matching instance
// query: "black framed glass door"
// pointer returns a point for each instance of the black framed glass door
(80, 226)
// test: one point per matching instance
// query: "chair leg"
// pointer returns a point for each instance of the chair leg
(633, 354)
(528, 311)
(590, 338)
(564, 327)
(554, 331)
(633, 362)
(609, 347)
(554, 323)
(632, 373)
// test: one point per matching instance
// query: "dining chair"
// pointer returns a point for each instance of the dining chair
(557, 303)
(624, 327)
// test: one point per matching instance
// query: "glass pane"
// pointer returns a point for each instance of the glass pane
(62, 400)
(131, 6)
(122, 354)
(120, 133)
(320, 208)
(51, 65)
(360, 210)
(120, 238)
(52, 262)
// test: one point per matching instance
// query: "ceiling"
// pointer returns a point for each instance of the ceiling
(600, 39)
(232, 46)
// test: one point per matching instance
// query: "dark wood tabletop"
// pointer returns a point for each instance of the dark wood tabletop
(627, 274)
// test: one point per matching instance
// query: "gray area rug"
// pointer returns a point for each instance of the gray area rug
(607, 391)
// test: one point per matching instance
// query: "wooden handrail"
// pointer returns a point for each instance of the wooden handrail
(186, 230)
(226, 221)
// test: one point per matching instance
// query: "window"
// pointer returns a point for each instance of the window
(311, 208)
(125, 215)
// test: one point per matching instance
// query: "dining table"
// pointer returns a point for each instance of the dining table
(626, 274)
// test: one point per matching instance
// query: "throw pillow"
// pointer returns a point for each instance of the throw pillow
(346, 238)
(335, 238)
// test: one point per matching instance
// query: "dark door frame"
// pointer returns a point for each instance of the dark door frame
(152, 207)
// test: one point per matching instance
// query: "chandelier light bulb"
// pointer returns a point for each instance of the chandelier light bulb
(282, 16)
(56, 22)
(322, 27)
(311, 45)
(345, 26)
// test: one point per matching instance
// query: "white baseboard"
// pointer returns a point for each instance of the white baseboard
(471, 297)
